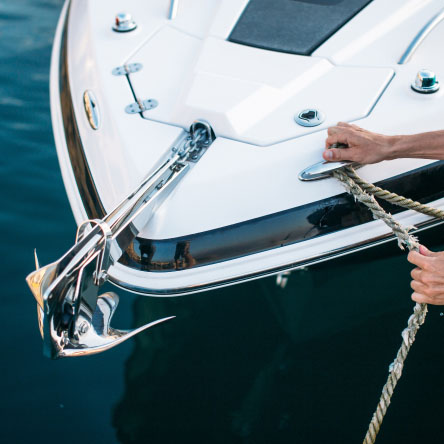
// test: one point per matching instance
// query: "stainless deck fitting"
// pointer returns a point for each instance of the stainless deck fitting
(141, 105)
(130, 68)
(322, 170)
(420, 37)
(91, 109)
(74, 320)
(124, 22)
(425, 82)
(309, 117)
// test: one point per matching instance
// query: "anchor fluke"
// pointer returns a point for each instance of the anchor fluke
(97, 335)
(73, 319)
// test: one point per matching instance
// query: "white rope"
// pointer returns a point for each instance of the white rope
(348, 178)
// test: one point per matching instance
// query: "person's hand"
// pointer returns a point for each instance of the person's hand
(428, 276)
(363, 146)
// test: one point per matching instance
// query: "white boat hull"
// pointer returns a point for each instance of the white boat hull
(250, 173)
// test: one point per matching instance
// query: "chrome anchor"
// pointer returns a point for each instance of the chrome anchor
(74, 320)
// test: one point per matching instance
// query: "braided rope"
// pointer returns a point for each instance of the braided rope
(348, 176)
(393, 197)
(404, 238)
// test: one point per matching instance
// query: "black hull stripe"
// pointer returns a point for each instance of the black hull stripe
(279, 229)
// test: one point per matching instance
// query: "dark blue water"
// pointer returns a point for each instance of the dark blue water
(247, 364)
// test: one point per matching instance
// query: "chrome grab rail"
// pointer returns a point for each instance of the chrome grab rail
(420, 37)
(74, 319)
(324, 169)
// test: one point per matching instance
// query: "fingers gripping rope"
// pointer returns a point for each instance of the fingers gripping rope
(364, 192)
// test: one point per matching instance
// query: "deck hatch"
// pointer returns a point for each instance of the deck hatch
(293, 26)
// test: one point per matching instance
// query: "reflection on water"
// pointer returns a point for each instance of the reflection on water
(258, 364)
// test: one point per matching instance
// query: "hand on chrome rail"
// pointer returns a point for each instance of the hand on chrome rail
(428, 276)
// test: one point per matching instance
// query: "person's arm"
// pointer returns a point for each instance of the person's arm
(428, 276)
(367, 147)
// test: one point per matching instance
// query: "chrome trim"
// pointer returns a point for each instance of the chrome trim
(85, 183)
(384, 89)
(322, 170)
(420, 37)
(91, 109)
(173, 9)
(333, 254)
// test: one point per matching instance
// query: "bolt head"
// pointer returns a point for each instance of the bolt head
(83, 328)
(425, 82)
(99, 278)
(124, 22)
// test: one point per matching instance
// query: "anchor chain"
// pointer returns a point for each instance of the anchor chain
(365, 193)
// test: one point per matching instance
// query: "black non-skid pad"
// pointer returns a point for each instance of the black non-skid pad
(293, 26)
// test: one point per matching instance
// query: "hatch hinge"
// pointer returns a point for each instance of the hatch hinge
(141, 105)
(129, 68)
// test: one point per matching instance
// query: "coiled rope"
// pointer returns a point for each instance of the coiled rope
(365, 193)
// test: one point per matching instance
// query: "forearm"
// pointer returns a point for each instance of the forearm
(423, 146)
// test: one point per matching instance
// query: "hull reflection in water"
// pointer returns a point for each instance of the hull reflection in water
(259, 364)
